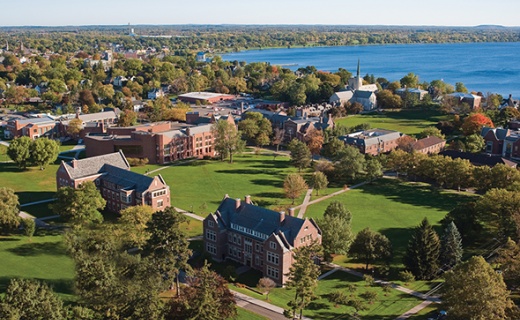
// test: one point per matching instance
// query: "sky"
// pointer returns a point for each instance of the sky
(325, 12)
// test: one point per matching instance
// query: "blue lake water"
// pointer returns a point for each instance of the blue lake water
(484, 67)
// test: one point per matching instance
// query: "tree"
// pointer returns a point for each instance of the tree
(44, 151)
(86, 98)
(278, 135)
(74, 127)
(508, 259)
(474, 143)
(451, 246)
(167, 248)
(373, 169)
(303, 278)
(422, 255)
(370, 246)
(474, 123)
(227, 139)
(300, 154)
(473, 290)
(406, 143)
(256, 128)
(460, 87)
(333, 148)
(19, 151)
(9, 209)
(430, 132)
(458, 173)
(205, 297)
(500, 208)
(350, 165)
(314, 140)
(265, 285)
(30, 299)
(134, 221)
(294, 185)
(79, 205)
(336, 230)
(409, 81)
(127, 118)
(319, 181)
(29, 227)
(387, 99)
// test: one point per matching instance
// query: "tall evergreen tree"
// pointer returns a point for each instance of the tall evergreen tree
(451, 246)
(300, 154)
(422, 255)
(336, 230)
(303, 277)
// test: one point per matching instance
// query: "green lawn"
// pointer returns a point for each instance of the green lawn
(43, 258)
(406, 121)
(31, 184)
(68, 145)
(244, 314)
(390, 306)
(393, 208)
(200, 186)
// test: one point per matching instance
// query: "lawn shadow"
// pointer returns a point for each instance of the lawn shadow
(317, 306)
(240, 171)
(268, 182)
(33, 196)
(275, 195)
(10, 167)
(55, 248)
(65, 286)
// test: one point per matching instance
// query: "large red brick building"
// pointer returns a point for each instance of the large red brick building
(257, 237)
(32, 128)
(373, 141)
(119, 186)
(159, 142)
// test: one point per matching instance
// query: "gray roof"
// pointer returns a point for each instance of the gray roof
(91, 166)
(99, 116)
(500, 133)
(37, 120)
(363, 94)
(200, 129)
(370, 137)
(126, 179)
(259, 219)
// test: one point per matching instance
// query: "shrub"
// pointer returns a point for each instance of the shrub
(137, 162)
(406, 276)
(370, 296)
(338, 297)
(369, 280)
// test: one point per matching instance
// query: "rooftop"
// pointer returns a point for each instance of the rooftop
(203, 95)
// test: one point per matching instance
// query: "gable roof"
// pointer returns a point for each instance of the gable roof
(257, 222)
(370, 137)
(91, 166)
(126, 179)
(427, 142)
(500, 133)
(363, 94)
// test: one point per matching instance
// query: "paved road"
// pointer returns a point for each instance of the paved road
(37, 202)
(414, 310)
(259, 306)
(303, 206)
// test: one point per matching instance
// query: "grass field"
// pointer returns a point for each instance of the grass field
(31, 184)
(44, 258)
(387, 306)
(244, 314)
(393, 208)
(200, 186)
(410, 122)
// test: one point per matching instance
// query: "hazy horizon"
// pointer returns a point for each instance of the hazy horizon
(268, 12)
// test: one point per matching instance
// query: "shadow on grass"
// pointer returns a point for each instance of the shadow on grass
(275, 195)
(33, 249)
(33, 196)
(416, 194)
(10, 167)
(268, 182)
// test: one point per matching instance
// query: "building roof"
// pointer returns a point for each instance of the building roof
(370, 137)
(200, 129)
(411, 90)
(126, 179)
(41, 120)
(500, 133)
(203, 95)
(461, 95)
(91, 166)
(105, 115)
(258, 222)
(427, 142)
(362, 94)
(478, 159)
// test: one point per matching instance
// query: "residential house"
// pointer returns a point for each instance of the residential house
(120, 81)
(429, 145)
(257, 237)
(155, 93)
(373, 141)
(201, 56)
(417, 94)
(472, 100)
(119, 186)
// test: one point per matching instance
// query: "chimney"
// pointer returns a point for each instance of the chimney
(282, 216)
(237, 203)
(247, 199)
(291, 212)
(74, 163)
(226, 196)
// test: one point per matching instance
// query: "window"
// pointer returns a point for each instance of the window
(257, 247)
(272, 272)
(211, 248)
(272, 257)
(272, 245)
(211, 235)
(160, 203)
(211, 224)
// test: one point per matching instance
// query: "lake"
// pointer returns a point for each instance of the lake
(484, 67)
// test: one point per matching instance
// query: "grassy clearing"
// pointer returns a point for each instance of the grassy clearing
(31, 184)
(244, 314)
(200, 186)
(393, 208)
(44, 258)
(388, 306)
(405, 121)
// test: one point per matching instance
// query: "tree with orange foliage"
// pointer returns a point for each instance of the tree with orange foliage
(474, 123)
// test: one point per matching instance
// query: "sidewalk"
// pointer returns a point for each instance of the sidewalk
(261, 307)
(303, 206)
(189, 214)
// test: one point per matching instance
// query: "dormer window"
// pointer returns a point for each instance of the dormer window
(272, 245)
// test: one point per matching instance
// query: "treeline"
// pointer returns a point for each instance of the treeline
(235, 38)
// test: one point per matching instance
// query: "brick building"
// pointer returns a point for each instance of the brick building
(429, 145)
(159, 142)
(257, 237)
(119, 186)
(32, 128)
(373, 141)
